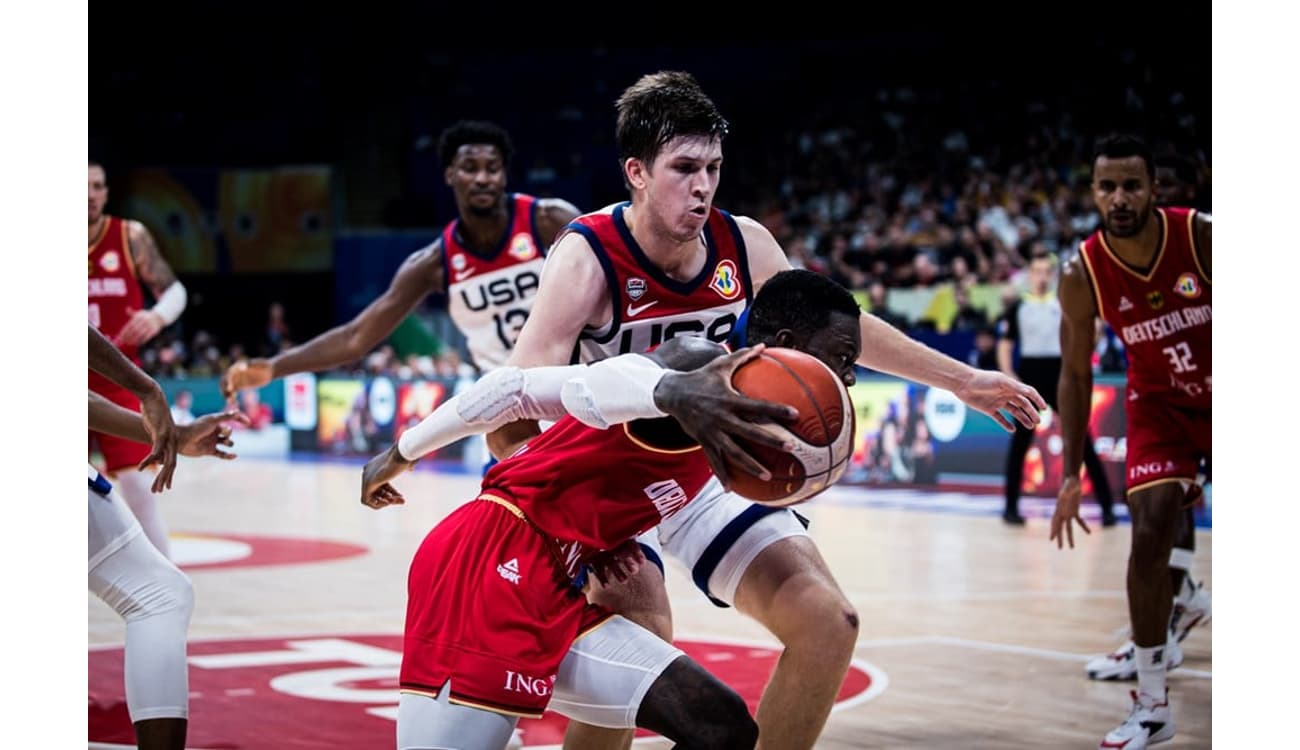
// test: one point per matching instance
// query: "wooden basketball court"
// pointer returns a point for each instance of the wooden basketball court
(973, 634)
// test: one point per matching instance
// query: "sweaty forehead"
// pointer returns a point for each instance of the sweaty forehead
(695, 147)
(1128, 167)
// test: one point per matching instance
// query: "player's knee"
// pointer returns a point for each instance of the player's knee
(167, 592)
(827, 621)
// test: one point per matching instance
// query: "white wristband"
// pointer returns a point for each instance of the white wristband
(171, 303)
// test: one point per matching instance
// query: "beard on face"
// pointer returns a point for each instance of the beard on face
(1137, 221)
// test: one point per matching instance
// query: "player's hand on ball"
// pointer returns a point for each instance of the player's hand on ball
(714, 413)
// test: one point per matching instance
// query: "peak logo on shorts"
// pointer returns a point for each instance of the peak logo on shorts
(340, 690)
(510, 570)
(726, 282)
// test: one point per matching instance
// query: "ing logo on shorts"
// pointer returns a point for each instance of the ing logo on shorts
(726, 282)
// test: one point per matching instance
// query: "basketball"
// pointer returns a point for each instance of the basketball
(823, 433)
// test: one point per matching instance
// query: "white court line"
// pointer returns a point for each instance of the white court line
(986, 596)
(1044, 653)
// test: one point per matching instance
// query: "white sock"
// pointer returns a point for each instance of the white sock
(1181, 558)
(1151, 671)
(134, 486)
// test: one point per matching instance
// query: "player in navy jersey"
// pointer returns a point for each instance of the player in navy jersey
(669, 263)
(1147, 273)
(487, 261)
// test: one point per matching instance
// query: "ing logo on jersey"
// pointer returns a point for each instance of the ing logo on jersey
(725, 280)
(1156, 300)
(635, 288)
(1187, 286)
(111, 261)
(458, 262)
(522, 247)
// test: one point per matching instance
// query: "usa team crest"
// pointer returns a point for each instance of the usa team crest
(726, 282)
(1187, 286)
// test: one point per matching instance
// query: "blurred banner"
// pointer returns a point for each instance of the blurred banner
(915, 435)
(232, 220)
(907, 434)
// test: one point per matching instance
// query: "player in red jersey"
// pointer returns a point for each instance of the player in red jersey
(1176, 185)
(549, 509)
(122, 257)
(1147, 273)
(668, 263)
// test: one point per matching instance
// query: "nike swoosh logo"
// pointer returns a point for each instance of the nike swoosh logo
(460, 276)
(632, 312)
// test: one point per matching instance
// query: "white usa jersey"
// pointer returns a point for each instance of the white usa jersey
(649, 307)
(489, 296)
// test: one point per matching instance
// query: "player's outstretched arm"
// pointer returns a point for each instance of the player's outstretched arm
(419, 275)
(107, 360)
(612, 391)
(202, 437)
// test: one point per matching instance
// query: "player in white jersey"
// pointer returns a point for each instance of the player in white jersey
(487, 261)
(663, 254)
(128, 572)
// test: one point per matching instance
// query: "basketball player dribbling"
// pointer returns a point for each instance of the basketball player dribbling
(668, 263)
(546, 511)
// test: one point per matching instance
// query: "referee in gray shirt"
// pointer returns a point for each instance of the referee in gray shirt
(1032, 324)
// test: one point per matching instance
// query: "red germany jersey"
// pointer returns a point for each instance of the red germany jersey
(1161, 313)
(113, 292)
(591, 489)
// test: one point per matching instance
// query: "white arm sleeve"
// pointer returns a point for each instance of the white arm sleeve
(171, 303)
(613, 390)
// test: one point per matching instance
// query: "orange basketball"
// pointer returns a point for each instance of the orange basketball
(823, 433)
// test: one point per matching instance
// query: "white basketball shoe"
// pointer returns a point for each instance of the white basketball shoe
(1121, 664)
(1149, 722)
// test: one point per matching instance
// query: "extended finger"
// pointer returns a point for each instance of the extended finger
(718, 466)
(235, 415)
(1035, 398)
(755, 410)
(1083, 524)
(741, 458)
(1002, 420)
(748, 354)
(771, 437)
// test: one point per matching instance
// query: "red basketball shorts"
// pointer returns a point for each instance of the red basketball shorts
(119, 453)
(489, 609)
(1165, 442)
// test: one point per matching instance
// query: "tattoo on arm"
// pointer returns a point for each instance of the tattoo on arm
(149, 263)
